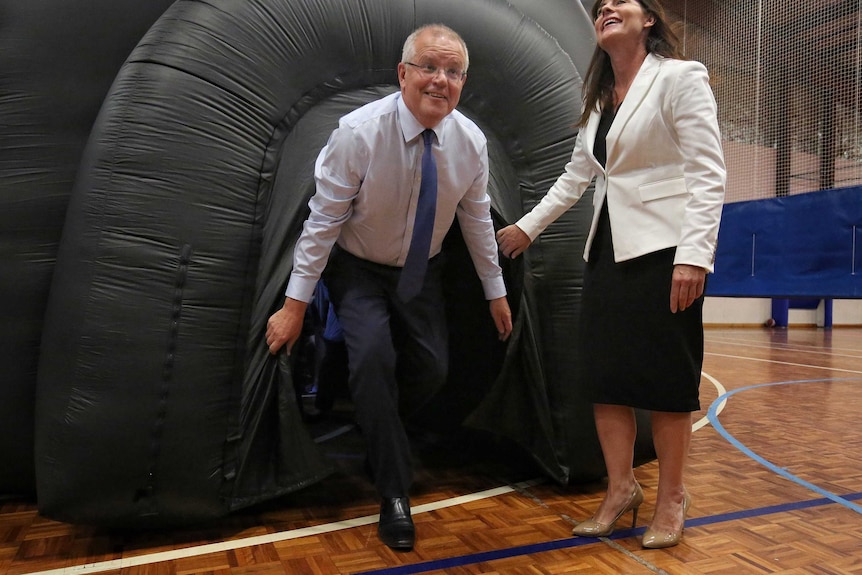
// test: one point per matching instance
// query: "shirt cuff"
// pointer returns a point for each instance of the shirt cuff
(494, 287)
(300, 288)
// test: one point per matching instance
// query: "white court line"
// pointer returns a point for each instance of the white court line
(799, 348)
(827, 368)
(703, 421)
(184, 553)
(173, 555)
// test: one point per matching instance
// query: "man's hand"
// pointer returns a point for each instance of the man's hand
(285, 326)
(502, 317)
(687, 285)
(513, 241)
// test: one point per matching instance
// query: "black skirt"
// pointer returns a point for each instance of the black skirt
(634, 351)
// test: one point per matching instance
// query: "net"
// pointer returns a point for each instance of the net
(787, 77)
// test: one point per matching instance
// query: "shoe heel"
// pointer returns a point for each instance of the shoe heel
(592, 528)
(635, 503)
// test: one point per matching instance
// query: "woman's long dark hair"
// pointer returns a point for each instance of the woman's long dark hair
(599, 83)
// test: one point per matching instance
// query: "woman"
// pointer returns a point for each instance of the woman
(649, 134)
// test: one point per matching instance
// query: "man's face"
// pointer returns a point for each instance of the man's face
(432, 97)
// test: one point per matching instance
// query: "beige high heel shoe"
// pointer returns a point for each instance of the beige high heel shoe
(592, 528)
(654, 540)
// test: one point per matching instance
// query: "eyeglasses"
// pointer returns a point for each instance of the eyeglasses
(429, 71)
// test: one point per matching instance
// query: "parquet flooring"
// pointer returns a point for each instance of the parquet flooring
(776, 480)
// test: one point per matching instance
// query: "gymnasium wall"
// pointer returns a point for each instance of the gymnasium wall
(788, 81)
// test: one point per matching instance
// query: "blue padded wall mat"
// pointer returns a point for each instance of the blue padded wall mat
(807, 245)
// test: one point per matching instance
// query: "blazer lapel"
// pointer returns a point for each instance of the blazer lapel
(588, 137)
(634, 98)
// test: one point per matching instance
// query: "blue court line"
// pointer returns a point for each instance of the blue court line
(782, 471)
(572, 542)
(520, 550)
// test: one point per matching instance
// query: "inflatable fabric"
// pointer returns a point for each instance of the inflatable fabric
(57, 61)
(157, 402)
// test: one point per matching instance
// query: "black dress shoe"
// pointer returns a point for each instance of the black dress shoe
(396, 526)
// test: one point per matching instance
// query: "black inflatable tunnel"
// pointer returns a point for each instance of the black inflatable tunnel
(157, 401)
(57, 61)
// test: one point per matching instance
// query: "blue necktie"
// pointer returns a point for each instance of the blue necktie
(413, 273)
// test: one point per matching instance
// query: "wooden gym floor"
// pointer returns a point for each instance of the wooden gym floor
(775, 473)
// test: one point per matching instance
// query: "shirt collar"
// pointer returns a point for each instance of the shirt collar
(410, 126)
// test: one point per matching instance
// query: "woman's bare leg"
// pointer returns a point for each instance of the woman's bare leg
(671, 437)
(617, 429)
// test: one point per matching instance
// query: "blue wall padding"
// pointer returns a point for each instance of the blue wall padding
(807, 245)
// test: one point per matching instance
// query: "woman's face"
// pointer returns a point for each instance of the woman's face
(621, 21)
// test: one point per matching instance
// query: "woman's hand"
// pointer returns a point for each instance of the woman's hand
(686, 286)
(513, 241)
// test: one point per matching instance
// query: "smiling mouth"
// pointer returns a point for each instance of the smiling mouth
(435, 95)
(610, 21)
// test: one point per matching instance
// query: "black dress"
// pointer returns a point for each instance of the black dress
(634, 351)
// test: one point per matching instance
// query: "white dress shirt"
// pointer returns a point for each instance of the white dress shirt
(368, 177)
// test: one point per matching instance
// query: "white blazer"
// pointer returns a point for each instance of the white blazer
(664, 177)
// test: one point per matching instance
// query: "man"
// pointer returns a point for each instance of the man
(369, 178)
